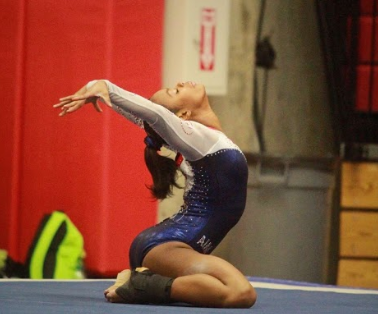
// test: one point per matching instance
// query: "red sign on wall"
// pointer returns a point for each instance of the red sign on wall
(207, 39)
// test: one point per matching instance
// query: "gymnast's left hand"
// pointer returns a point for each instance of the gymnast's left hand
(95, 93)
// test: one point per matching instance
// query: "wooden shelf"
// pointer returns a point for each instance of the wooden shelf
(359, 234)
(358, 273)
(358, 249)
(359, 185)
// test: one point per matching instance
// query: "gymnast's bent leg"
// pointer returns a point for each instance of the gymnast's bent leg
(203, 280)
(199, 279)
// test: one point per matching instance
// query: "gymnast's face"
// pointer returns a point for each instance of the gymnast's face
(185, 95)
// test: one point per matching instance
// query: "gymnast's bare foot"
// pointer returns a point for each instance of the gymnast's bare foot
(122, 278)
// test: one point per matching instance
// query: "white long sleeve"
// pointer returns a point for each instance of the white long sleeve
(193, 140)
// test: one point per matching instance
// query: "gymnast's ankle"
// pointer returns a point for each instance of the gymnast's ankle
(145, 287)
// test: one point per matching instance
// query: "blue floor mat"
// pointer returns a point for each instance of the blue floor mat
(58, 297)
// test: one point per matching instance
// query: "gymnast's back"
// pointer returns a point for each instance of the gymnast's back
(211, 159)
(215, 169)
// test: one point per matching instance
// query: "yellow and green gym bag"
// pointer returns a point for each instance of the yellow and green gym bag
(57, 250)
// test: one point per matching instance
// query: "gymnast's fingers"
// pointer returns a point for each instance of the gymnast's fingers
(67, 98)
(97, 106)
(63, 113)
(62, 103)
(73, 106)
(94, 100)
(88, 97)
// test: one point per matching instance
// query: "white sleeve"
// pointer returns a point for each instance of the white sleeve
(128, 115)
(193, 140)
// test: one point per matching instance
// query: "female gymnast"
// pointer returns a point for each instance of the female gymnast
(170, 262)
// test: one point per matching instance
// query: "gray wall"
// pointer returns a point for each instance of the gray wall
(297, 120)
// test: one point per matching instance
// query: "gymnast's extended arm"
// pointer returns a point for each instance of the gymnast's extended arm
(193, 140)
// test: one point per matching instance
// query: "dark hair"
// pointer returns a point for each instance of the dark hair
(163, 169)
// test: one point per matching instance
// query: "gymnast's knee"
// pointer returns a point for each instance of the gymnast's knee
(241, 297)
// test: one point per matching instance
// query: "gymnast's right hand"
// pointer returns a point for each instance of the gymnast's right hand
(91, 93)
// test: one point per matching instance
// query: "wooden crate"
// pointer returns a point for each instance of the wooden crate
(358, 273)
(359, 185)
(358, 254)
(359, 234)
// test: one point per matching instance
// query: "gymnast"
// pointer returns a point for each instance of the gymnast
(171, 261)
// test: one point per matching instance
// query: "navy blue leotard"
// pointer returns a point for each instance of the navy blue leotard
(216, 178)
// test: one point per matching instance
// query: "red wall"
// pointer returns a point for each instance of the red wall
(88, 164)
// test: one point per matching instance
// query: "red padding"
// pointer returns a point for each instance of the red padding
(363, 89)
(367, 6)
(365, 40)
(11, 56)
(87, 164)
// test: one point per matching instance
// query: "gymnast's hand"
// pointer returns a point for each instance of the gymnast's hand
(95, 93)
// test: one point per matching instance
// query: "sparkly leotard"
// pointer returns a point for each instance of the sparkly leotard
(216, 178)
